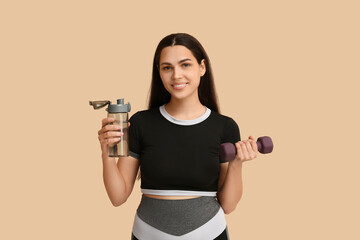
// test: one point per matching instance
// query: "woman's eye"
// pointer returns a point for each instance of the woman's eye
(186, 65)
(166, 68)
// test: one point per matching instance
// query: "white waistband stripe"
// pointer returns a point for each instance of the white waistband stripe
(177, 193)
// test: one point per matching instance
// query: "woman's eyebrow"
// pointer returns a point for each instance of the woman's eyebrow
(184, 60)
(181, 61)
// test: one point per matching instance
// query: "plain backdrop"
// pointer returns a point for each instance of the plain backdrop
(286, 69)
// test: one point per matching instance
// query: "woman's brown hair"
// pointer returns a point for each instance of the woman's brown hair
(207, 94)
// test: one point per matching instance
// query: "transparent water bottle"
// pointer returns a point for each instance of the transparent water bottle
(120, 112)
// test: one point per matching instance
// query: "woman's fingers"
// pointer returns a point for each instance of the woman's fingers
(254, 147)
(251, 152)
(110, 141)
(109, 127)
(239, 153)
(109, 134)
(106, 121)
(246, 149)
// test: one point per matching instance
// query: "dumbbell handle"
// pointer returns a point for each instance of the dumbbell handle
(228, 150)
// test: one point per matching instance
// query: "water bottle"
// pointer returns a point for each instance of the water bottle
(120, 112)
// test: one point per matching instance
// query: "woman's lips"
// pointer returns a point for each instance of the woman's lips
(179, 86)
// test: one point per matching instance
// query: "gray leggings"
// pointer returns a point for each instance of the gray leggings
(196, 218)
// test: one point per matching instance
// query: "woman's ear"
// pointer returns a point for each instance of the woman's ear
(202, 67)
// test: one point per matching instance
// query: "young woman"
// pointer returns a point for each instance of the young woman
(175, 143)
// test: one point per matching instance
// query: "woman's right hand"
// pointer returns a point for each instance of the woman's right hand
(109, 134)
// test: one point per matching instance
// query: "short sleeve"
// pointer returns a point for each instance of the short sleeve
(231, 132)
(134, 136)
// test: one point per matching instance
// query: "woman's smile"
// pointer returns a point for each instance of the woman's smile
(179, 86)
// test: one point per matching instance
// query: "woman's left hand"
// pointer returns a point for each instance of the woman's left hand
(246, 150)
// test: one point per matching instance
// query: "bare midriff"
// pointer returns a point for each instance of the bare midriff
(170, 197)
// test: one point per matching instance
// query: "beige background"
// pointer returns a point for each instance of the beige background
(287, 69)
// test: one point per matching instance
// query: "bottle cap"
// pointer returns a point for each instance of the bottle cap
(120, 107)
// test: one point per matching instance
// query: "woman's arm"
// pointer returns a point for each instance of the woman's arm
(119, 178)
(230, 186)
(231, 189)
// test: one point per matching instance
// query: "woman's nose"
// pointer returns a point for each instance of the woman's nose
(176, 73)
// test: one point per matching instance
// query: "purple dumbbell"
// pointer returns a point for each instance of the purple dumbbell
(228, 150)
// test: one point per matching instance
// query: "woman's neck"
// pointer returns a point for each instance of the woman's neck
(185, 109)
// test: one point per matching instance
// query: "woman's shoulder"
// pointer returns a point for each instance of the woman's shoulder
(222, 117)
(144, 114)
(229, 128)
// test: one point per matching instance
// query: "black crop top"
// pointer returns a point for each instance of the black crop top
(179, 157)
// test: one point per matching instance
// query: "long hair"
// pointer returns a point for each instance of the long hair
(206, 90)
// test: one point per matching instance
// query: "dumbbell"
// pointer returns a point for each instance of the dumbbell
(228, 150)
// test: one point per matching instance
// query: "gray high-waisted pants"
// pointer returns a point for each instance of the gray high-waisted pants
(199, 218)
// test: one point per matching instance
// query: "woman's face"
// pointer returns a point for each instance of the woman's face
(180, 72)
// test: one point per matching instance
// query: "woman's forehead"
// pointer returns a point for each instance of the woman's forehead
(175, 53)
